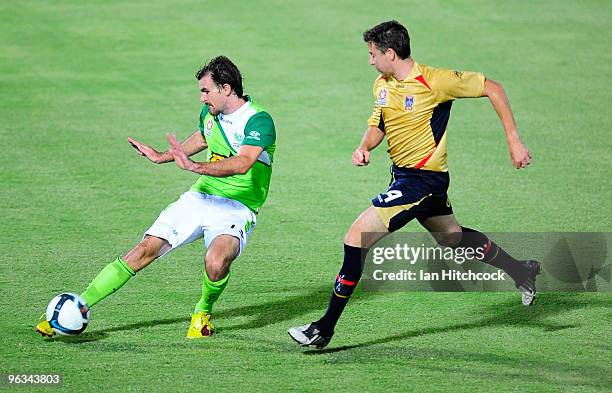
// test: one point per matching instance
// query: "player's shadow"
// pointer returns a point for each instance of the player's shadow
(510, 313)
(284, 309)
(261, 314)
(96, 335)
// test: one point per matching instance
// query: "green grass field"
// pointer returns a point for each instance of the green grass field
(78, 78)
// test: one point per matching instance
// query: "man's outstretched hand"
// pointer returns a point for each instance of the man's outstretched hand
(147, 151)
(178, 152)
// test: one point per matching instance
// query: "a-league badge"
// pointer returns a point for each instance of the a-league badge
(382, 97)
(208, 128)
(408, 102)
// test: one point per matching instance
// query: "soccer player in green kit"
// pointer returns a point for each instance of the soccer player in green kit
(221, 207)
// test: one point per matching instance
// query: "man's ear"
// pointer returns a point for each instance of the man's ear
(227, 89)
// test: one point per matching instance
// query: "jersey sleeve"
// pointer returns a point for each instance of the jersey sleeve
(450, 85)
(203, 114)
(376, 119)
(259, 130)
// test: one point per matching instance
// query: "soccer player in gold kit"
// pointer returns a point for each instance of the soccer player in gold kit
(412, 108)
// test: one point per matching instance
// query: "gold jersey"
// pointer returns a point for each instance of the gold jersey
(413, 113)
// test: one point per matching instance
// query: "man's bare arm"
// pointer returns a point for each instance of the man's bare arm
(236, 165)
(519, 154)
(192, 145)
(372, 138)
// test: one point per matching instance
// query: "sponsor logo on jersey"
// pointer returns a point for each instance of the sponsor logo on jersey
(254, 135)
(382, 97)
(223, 119)
(238, 136)
(408, 102)
(458, 74)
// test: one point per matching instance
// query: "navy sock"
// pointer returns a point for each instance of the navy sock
(345, 284)
(494, 255)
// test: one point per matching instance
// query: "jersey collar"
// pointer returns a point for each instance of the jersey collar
(237, 112)
(414, 72)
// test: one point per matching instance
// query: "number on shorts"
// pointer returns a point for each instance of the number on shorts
(391, 195)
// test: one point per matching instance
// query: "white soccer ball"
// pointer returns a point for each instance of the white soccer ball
(68, 314)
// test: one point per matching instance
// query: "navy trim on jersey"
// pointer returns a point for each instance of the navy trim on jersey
(439, 120)
(381, 122)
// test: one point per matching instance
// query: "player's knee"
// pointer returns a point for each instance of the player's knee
(353, 238)
(217, 265)
(151, 247)
(143, 253)
(216, 271)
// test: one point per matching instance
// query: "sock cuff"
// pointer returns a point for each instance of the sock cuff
(353, 248)
(355, 252)
(219, 283)
(123, 265)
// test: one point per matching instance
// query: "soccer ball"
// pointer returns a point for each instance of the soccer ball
(68, 314)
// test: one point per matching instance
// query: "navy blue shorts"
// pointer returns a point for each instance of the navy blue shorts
(413, 193)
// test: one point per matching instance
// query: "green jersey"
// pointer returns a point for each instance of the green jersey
(224, 134)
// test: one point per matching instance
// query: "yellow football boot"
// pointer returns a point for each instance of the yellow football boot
(45, 329)
(201, 326)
